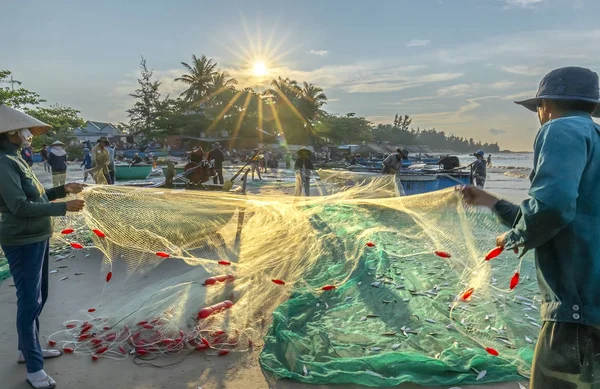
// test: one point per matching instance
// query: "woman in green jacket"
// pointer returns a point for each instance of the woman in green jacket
(25, 230)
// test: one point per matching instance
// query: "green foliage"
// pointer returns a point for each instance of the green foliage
(18, 97)
(63, 121)
(147, 109)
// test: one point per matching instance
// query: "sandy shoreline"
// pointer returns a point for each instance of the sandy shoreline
(70, 298)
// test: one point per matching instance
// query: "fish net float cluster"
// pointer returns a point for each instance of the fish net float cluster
(355, 287)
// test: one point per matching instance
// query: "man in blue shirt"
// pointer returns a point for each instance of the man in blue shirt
(561, 221)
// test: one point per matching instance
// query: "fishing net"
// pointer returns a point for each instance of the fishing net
(4, 271)
(356, 287)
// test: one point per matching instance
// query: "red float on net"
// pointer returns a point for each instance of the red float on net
(77, 246)
(223, 278)
(442, 254)
(370, 244)
(51, 343)
(68, 350)
(67, 231)
(467, 294)
(494, 253)
(91, 310)
(279, 282)
(108, 276)
(99, 233)
(206, 312)
(328, 287)
(162, 254)
(491, 351)
(514, 281)
(224, 263)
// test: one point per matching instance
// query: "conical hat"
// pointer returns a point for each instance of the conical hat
(12, 120)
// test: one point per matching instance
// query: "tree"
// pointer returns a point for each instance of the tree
(146, 110)
(199, 79)
(19, 97)
(312, 101)
(402, 122)
(63, 120)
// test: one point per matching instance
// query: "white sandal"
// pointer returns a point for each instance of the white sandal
(46, 383)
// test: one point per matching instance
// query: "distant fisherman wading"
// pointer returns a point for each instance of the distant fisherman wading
(561, 221)
(479, 170)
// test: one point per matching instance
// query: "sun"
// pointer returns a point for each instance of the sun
(260, 69)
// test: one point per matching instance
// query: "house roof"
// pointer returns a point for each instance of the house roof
(92, 128)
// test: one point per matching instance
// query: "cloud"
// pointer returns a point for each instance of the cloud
(457, 90)
(418, 43)
(502, 84)
(519, 96)
(400, 83)
(450, 117)
(524, 3)
(524, 70)
(496, 131)
(318, 53)
(529, 48)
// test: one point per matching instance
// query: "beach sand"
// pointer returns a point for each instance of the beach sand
(69, 299)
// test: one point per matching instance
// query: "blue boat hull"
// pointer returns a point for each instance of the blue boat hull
(424, 183)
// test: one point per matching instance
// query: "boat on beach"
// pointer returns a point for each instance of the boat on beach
(125, 171)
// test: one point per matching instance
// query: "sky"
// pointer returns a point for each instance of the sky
(456, 65)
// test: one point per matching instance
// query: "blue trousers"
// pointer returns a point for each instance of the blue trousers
(29, 268)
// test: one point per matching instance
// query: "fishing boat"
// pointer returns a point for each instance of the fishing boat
(132, 172)
(416, 181)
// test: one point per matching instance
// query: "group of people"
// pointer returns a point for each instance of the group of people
(560, 220)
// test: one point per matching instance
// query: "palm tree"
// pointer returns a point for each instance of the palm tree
(286, 87)
(312, 100)
(199, 79)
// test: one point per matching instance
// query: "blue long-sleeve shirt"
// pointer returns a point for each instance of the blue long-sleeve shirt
(561, 219)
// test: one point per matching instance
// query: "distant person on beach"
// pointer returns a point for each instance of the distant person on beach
(256, 163)
(217, 156)
(489, 161)
(111, 165)
(86, 164)
(57, 159)
(303, 168)
(393, 165)
(27, 155)
(478, 169)
(44, 155)
(26, 212)
(101, 163)
(288, 160)
(136, 159)
(561, 221)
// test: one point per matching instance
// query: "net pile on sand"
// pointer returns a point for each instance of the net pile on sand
(356, 287)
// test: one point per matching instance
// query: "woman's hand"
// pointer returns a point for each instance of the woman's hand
(74, 187)
(476, 196)
(75, 205)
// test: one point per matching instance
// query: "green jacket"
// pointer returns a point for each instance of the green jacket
(25, 207)
(561, 219)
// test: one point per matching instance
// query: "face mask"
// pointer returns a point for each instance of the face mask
(25, 135)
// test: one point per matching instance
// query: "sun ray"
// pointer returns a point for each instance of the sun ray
(238, 125)
(276, 117)
(260, 117)
(224, 111)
